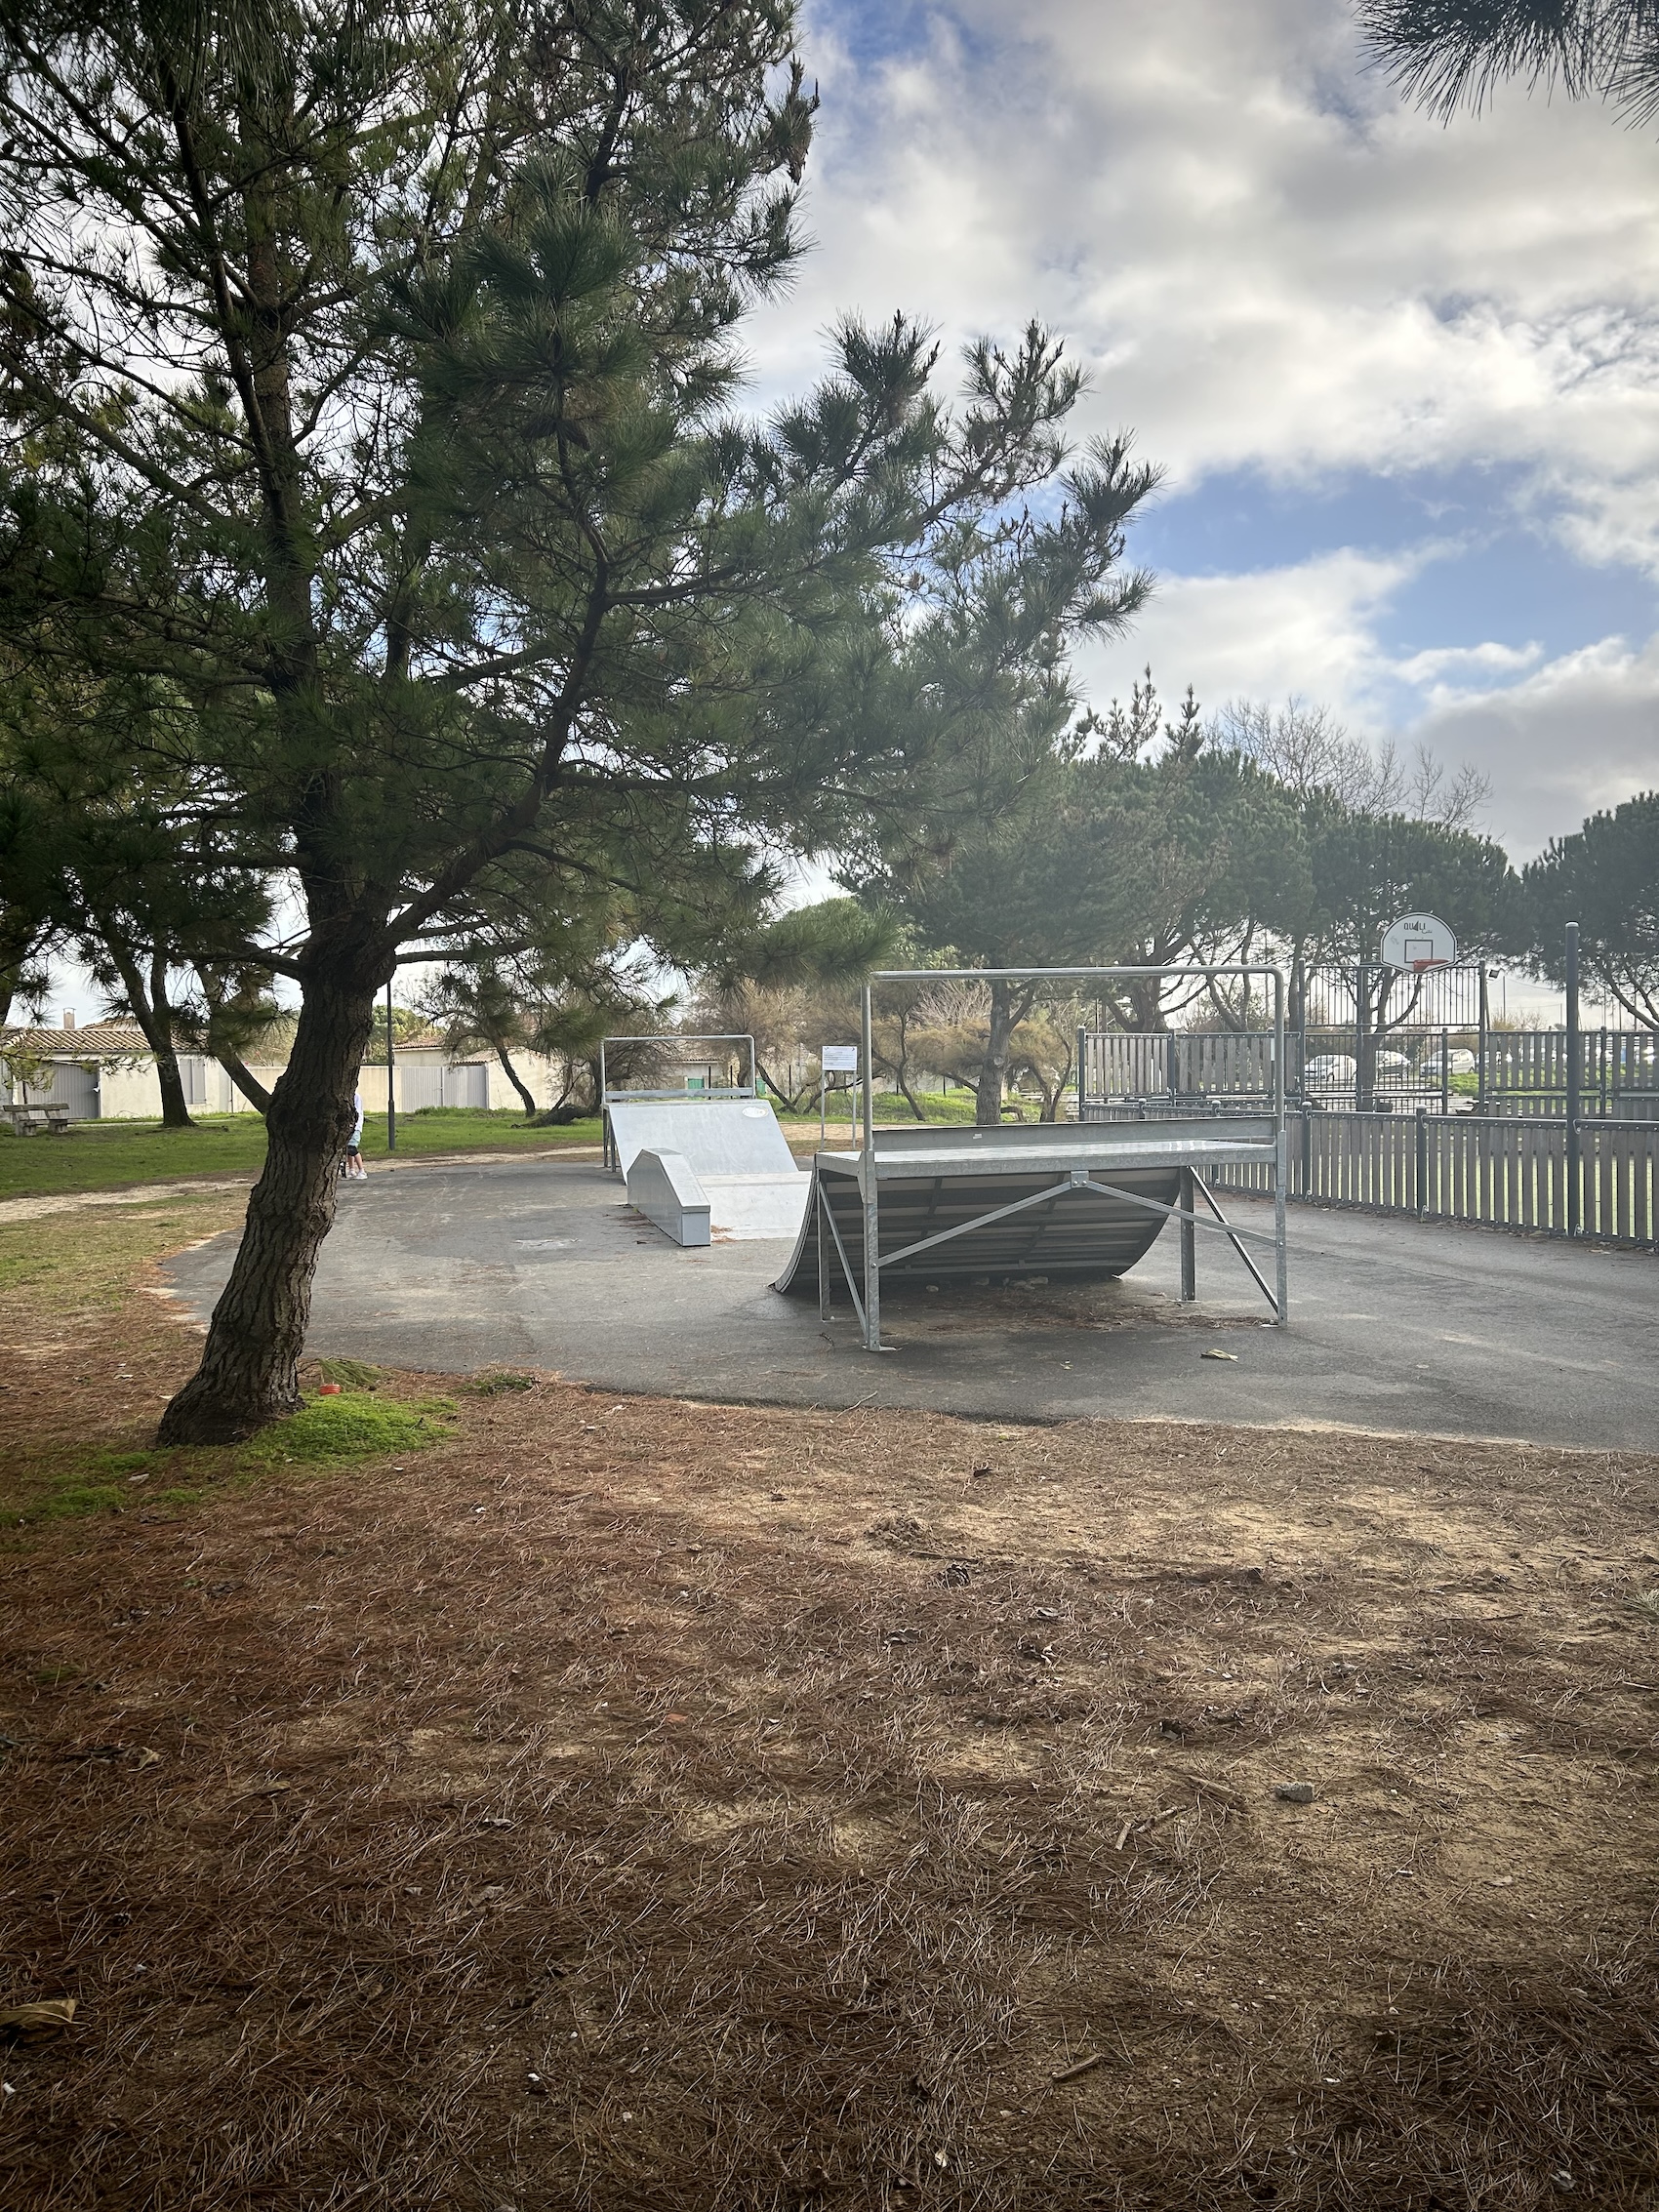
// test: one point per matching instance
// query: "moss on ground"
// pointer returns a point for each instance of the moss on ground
(82, 1390)
(329, 1433)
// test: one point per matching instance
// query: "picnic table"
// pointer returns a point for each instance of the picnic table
(27, 1119)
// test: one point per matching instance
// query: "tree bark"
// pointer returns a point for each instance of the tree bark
(21, 934)
(244, 1078)
(1007, 1012)
(175, 1110)
(511, 1074)
(249, 1374)
(153, 1014)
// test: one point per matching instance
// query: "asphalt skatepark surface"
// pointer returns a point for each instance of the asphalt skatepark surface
(1395, 1325)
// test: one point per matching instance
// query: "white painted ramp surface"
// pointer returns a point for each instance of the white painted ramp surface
(720, 1137)
(745, 1207)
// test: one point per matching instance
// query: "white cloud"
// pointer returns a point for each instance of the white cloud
(1490, 659)
(1560, 738)
(1306, 630)
(1270, 263)
(1578, 734)
(1264, 256)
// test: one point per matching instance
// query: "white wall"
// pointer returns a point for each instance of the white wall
(132, 1093)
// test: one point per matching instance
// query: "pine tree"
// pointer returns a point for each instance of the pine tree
(375, 371)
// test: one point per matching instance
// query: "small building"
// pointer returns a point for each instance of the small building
(105, 1071)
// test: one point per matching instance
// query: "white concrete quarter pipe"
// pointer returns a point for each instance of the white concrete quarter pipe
(698, 1167)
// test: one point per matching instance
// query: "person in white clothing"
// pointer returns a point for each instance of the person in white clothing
(354, 1169)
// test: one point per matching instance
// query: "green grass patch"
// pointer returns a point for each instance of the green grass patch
(351, 1426)
(495, 1382)
(109, 1155)
(325, 1433)
(85, 1258)
(351, 1374)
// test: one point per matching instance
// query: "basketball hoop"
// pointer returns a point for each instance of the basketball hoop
(1419, 943)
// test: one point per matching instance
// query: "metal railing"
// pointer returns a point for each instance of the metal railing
(1511, 1173)
(868, 1305)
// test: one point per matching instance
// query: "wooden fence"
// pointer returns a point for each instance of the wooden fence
(1503, 1173)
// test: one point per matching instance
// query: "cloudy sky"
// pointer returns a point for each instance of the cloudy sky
(1404, 379)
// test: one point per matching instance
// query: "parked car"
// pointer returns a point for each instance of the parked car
(1329, 1071)
(1459, 1062)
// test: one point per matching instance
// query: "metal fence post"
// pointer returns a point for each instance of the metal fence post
(390, 1078)
(1422, 1163)
(1281, 1159)
(1574, 1194)
(1187, 1199)
(1361, 1028)
(871, 1205)
(1481, 1060)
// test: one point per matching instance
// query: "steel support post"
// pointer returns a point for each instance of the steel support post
(390, 1078)
(1282, 1158)
(1422, 1163)
(1484, 1045)
(869, 1190)
(822, 1247)
(1574, 1194)
(1189, 1199)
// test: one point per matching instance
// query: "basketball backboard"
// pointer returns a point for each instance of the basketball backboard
(1417, 941)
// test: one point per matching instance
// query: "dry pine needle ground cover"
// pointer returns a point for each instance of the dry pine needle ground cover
(644, 1804)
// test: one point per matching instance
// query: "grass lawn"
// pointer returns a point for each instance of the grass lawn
(104, 1155)
(645, 1806)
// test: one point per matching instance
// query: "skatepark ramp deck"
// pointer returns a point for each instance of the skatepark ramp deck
(713, 1136)
(1067, 1201)
(1071, 1200)
(700, 1167)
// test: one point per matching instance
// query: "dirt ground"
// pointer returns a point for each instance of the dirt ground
(651, 1804)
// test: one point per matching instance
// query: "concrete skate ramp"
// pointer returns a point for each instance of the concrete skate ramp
(758, 1206)
(691, 1209)
(720, 1136)
(935, 1178)
(663, 1189)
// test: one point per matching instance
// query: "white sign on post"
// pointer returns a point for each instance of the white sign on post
(1417, 941)
(839, 1060)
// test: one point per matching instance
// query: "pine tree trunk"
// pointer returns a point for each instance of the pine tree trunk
(993, 1067)
(511, 1074)
(249, 1374)
(244, 1078)
(175, 1112)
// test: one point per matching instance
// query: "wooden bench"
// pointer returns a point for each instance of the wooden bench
(28, 1119)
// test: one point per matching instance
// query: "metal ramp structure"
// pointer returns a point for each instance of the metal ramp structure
(703, 1164)
(1070, 1201)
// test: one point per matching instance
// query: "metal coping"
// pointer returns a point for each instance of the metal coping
(674, 1037)
(871, 1176)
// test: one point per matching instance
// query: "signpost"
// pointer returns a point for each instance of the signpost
(837, 1059)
